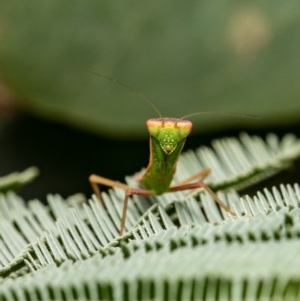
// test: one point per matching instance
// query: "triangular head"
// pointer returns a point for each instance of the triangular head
(167, 138)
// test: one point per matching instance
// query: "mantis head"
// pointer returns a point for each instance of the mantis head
(169, 131)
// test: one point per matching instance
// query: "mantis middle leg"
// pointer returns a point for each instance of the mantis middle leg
(188, 184)
(96, 180)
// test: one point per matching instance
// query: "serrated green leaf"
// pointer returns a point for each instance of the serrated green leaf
(201, 261)
(177, 248)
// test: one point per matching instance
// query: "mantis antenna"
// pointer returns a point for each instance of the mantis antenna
(150, 103)
(138, 93)
(221, 114)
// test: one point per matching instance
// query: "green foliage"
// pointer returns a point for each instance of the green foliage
(201, 55)
(16, 180)
(177, 246)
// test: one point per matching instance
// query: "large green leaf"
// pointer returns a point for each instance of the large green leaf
(203, 55)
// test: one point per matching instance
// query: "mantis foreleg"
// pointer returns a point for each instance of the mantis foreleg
(198, 176)
(96, 180)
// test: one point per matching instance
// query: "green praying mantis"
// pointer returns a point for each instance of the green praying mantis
(167, 138)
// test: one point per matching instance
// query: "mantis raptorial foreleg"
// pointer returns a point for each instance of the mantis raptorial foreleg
(198, 176)
(96, 180)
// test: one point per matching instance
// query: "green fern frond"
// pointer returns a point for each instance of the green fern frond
(16, 180)
(238, 163)
(177, 246)
(76, 243)
(251, 257)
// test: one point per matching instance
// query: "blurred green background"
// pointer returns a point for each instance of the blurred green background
(229, 56)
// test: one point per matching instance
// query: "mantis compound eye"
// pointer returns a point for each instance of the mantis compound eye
(184, 127)
(173, 126)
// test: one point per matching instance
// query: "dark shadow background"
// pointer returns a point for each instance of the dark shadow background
(66, 156)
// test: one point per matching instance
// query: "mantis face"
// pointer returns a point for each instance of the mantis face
(169, 131)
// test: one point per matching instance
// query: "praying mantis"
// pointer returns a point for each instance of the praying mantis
(167, 138)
